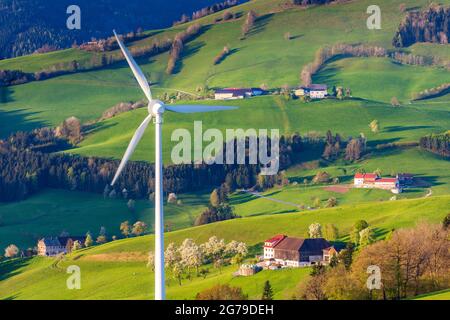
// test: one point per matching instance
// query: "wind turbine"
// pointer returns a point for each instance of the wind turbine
(155, 109)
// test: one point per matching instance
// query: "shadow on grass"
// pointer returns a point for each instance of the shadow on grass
(5, 95)
(374, 143)
(18, 120)
(260, 24)
(9, 268)
(98, 126)
(405, 128)
(189, 51)
(271, 212)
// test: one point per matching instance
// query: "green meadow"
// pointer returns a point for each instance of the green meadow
(348, 118)
(106, 275)
(53, 211)
(87, 94)
(117, 270)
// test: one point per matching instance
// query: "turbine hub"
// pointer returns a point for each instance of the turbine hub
(156, 107)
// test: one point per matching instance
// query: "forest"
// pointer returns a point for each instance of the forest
(430, 25)
(102, 57)
(29, 163)
(29, 25)
(437, 143)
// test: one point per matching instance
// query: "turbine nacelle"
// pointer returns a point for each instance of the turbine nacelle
(155, 107)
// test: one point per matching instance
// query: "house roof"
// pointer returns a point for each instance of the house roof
(274, 240)
(405, 175)
(386, 180)
(366, 176)
(315, 245)
(318, 87)
(60, 241)
(238, 91)
(287, 243)
(51, 242)
(336, 246)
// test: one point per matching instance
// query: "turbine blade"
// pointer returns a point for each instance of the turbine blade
(138, 74)
(132, 146)
(197, 108)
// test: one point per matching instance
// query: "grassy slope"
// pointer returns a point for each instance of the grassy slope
(349, 118)
(440, 295)
(368, 78)
(53, 211)
(42, 278)
(87, 94)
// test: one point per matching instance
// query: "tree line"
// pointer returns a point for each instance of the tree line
(206, 11)
(347, 50)
(28, 163)
(437, 143)
(412, 262)
(98, 60)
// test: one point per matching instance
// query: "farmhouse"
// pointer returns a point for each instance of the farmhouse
(237, 93)
(52, 246)
(373, 180)
(315, 91)
(297, 252)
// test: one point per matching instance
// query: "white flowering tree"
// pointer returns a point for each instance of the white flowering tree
(242, 249)
(172, 260)
(215, 248)
(171, 255)
(315, 230)
(232, 247)
(11, 251)
(191, 255)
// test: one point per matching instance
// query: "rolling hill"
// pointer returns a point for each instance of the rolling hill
(117, 270)
(87, 94)
(263, 57)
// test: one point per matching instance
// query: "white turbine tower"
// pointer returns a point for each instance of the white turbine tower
(156, 109)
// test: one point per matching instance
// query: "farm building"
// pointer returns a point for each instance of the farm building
(237, 93)
(52, 246)
(270, 244)
(249, 270)
(373, 180)
(405, 179)
(315, 91)
(297, 252)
